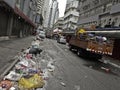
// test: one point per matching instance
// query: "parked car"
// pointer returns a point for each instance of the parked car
(62, 40)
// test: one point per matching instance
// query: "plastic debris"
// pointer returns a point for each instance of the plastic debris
(63, 84)
(12, 88)
(51, 67)
(33, 82)
(5, 85)
(106, 69)
(26, 73)
(13, 76)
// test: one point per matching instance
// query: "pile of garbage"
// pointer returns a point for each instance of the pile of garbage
(26, 73)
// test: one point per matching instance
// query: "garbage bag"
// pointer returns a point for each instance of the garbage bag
(35, 51)
(35, 81)
(13, 76)
(6, 84)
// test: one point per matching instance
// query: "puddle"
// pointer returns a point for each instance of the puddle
(105, 68)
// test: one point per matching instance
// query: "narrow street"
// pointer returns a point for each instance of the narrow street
(74, 73)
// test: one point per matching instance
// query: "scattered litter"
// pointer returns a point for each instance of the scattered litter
(51, 67)
(35, 81)
(45, 75)
(106, 69)
(106, 61)
(27, 73)
(12, 88)
(13, 76)
(90, 66)
(63, 84)
(5, 85)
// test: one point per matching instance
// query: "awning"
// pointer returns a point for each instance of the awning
(20, 13)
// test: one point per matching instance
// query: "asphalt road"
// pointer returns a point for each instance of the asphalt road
(75, 73)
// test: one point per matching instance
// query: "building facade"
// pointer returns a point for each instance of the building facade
(71, 15)
(42, 12)
(54, 13)
(100, 13)
(46, 11)
(59, 23)
(16, 18)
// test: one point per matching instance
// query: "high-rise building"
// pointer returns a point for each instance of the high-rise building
(71, 15)
(59, 23)
(45, 11)
(53, 13)
(42, 10)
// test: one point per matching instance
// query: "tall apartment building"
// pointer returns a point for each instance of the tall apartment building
(46, 10)
(53, 13)
(42, 11)
(71, 15)
(99, 13)
(59, 23)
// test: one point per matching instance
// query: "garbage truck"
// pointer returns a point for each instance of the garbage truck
(90, 45)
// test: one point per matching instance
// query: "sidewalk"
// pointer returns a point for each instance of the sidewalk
(10, 48)
(111, 61)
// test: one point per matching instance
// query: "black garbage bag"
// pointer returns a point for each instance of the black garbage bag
(35, 51)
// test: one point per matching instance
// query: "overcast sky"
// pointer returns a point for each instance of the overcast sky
(62, 5)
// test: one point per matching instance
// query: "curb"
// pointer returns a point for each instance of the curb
(113, 64)
(9, 68)
(110, 63)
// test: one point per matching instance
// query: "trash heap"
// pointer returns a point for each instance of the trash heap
(26, 73)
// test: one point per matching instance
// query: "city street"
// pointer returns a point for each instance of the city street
(74, 73)
(59, 44)
(64, 69)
